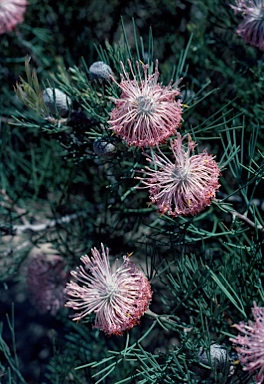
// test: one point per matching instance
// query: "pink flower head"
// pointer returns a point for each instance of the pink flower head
(119, 296)
(146, 113)
(46, 280)
(251, 345)
(251, 29)
(11, 13)
(184, 186)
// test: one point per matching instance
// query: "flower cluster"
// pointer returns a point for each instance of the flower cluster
(118, 296)
(250, 347)
(146, 113)
(11, 13)
(184, 186)
(251, 29)
(46, 280)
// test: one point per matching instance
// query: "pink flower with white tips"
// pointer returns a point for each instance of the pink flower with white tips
(251, 29)
(184, 186)
(250, 346)
(118, 295)
(146, 113)
(11, 13)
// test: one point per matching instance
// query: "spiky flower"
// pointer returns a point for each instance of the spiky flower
(118, 296)
(46, 280)
(250, 346)
(146, 113)
(251, 29)
(184, 186)
(11, 13)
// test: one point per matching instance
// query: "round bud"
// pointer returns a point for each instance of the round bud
(104, 148)
(216, 357)
(215, 362)
(100, 71)
(57, 101)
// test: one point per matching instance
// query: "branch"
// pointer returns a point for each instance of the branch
(247, 220)
(18, 229)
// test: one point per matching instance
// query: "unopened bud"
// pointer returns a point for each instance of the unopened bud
(57, 101)
(104, 148)
(100, 71)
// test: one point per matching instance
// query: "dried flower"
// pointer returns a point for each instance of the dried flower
(146, 113)
(251, 346)
(11, 13)
(251, 29)
(119, 296)
(46, 280)
(185, 186)
(100, 71)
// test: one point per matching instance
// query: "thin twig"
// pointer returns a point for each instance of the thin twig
(164, 318)
(247, 220)
(238, 199)
(18, 229)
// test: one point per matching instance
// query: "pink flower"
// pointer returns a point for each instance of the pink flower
(251, 29)
(146, 113)
(11, 13)
(119, 296)
(184, 186)
(46, 280)
(251, 345)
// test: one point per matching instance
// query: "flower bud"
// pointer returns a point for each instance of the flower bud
(57, 101)
(100, 71)
(103, 148)
(218, 356)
